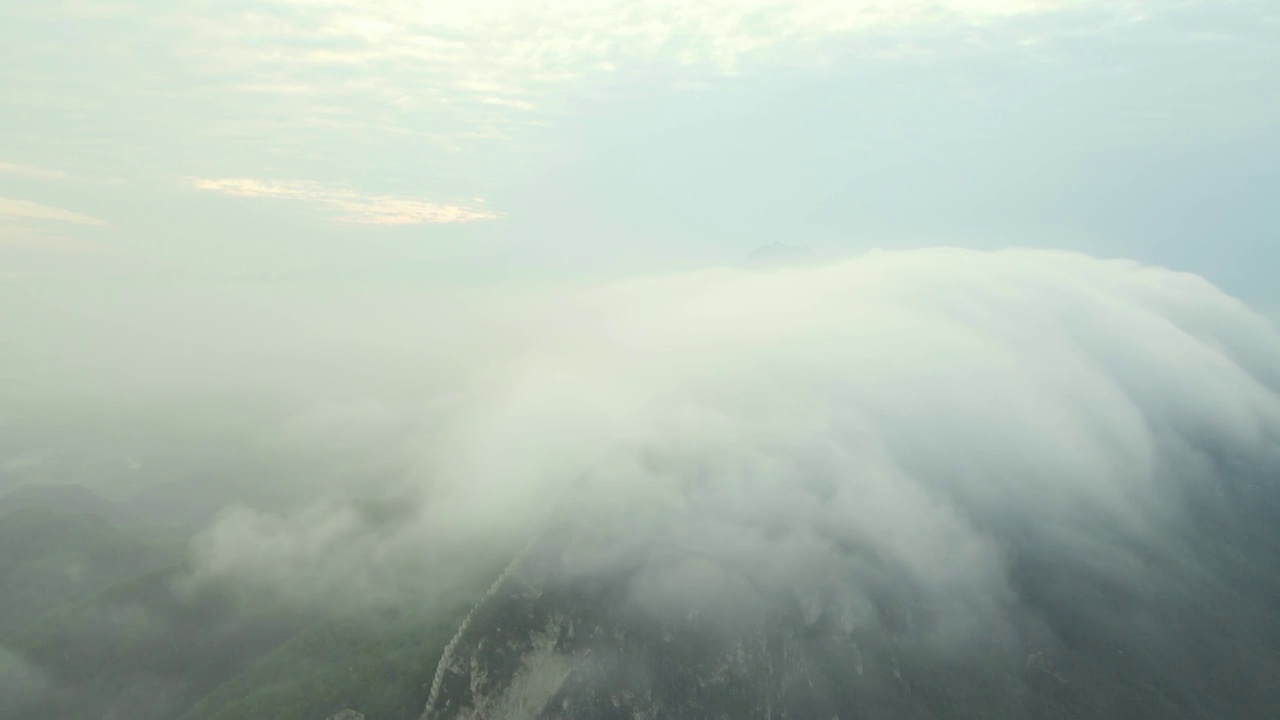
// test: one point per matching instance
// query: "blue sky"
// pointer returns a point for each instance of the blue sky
(383, 141)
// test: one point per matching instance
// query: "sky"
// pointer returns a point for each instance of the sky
(346, 143)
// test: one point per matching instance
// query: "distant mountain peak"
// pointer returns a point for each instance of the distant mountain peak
(774, 254)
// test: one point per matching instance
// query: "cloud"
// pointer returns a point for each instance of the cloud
(25, 209)
(23, 237)
(348, 206)
(483, 62)
(899, 425)
(497, 41)
(38, 173)
(31, 172)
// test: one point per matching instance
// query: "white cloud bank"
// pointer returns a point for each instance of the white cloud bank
(808, 432)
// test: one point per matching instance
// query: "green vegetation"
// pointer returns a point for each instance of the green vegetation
(50, 557)
(379, 663)
(99, 624)
(142, 649)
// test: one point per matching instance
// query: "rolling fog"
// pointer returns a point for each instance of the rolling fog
(738, 429)
(949, 445)
(730, 433)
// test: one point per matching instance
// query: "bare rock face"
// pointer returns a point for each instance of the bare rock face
(347, 715)
(567, 649)
(1196, 637)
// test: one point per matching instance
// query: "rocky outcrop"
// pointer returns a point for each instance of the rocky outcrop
(579, 648)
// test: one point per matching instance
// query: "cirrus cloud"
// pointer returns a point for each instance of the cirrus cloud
(27, 210)
(479, 62)
(346, 205)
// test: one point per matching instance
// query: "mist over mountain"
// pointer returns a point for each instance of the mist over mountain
(640, 359)
(928, 484)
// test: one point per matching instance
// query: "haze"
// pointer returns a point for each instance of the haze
(639, 359)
